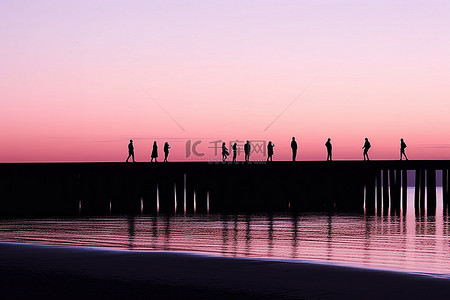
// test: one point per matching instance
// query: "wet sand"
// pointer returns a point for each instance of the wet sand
(79, 273)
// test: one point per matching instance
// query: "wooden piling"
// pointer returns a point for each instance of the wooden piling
(379, 195)
(395, 198)
(431, 192)
(417, 192)
(404, 190)
(385, 191)
(398, 189)
(445, 190)
(370, 194)
(422, 192)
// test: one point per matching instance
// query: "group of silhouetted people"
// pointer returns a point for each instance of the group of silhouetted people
(153, 156)
(270, 146)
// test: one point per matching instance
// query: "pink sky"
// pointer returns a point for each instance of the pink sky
(78, 80)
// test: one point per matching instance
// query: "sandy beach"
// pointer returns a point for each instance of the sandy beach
(70, 272)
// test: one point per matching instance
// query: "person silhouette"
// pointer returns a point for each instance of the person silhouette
(166, 151)
(294, 148)
(234, 147)
(247, 151)
(224, 152)
(130, 150)
(154, 152)
(270, 151)
(366, 148)
(402, 149)
(329, 149)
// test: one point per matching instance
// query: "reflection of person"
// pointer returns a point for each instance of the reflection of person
(270, 151)
(130, 150)
(234, 147)
(402, 149)
(154, 152)
(366, 148)
(329, 148)
(166, 151)
(224, 152)
(294, 148)
(247, 151)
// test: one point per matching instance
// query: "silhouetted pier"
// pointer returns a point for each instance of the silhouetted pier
(69, 189)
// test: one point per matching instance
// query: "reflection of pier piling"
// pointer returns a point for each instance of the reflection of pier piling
(133, 188)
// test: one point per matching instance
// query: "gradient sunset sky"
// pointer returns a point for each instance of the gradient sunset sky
(78, 79)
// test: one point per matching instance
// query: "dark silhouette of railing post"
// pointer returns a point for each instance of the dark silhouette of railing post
(370, 194)
(394, 179)
(431, 192)
(379, 196)
(405, 190)
(191, 187)
(179, 182)
(385, 192)
(422, 192)
(417, 193)
(398, 189)
(166, 192)
(149, 192)
(445, 190)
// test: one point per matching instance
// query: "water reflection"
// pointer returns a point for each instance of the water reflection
(270, 236)
(224, 234)
(248, 236)
(294, 235)
(167, 233)
(131, 231)
(405, 242)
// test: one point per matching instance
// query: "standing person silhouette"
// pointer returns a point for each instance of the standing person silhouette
(247, 151)
(154, 152)
(294, 148)
(402, 149)
(166, 151)
(225, 152)
(329, 149)
(234, 147)
(270, 151)
(130, 150)
(366, 148)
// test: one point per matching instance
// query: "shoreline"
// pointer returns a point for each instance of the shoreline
(212, 255)
(74, 272)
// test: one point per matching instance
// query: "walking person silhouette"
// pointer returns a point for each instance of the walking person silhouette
(247, 151)
(402, 149)
(166, 151)
(154, 152)
(294, 148)
(130, 151)
(329, 149)
(234, 147)
(366, 148)
(270, 151)
(224, 152)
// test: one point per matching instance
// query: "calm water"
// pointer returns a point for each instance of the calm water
(409, 243)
